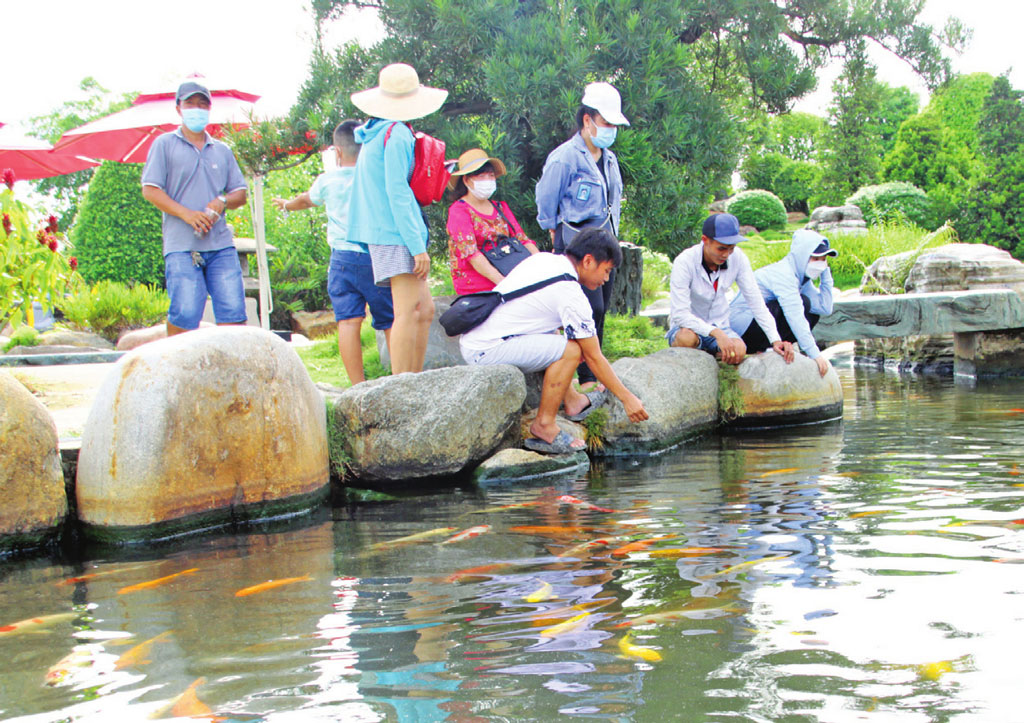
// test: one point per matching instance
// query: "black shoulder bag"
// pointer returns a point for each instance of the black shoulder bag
(469, 311)
(508, 251)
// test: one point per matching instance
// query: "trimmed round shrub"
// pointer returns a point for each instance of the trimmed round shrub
(117, 234)
(760, 209)
(894, 201)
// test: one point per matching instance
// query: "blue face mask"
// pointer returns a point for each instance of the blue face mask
(195, 119)
(604, 136)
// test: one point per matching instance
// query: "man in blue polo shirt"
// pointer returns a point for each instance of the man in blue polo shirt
(194, 179)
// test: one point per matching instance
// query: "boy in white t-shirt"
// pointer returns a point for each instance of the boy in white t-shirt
(350, 274)
(524, 332)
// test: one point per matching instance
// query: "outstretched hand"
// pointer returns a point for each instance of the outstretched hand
(785, 350)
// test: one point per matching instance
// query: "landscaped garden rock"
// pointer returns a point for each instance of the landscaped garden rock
(776, 394)
(679, 389)
(442, 350)
(511, 465)
(213, 426)
(438, 422)
(31, 480)
(848, 219)
(314, 324)
(137, 337)
(68, 337)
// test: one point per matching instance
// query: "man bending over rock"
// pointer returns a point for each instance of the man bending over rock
(699, 309)
(524, 332)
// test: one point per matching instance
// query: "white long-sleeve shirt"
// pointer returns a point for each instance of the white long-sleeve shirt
(698, 301)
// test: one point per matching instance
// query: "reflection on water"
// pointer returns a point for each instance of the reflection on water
(868, 569)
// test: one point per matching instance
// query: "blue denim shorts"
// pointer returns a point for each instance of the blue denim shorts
(707, 343)
(188, 285)
(350, 286)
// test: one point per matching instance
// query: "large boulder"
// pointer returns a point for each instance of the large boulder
(69, 337)
(847, 219)
(213, 426)
(442, 350)
(435, 423)
(957, 267)
(31, 480)
(518, 465)
(777, 394)
(679, 389)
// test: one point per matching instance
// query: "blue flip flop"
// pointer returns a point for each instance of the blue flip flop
(596, 398)
(561, 444)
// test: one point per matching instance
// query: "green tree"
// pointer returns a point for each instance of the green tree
(515, 70)
(67, 190)
(995, 204)
(117, 234)
(781, 157)
(895, 105)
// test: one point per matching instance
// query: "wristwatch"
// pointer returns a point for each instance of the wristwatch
(223, 199)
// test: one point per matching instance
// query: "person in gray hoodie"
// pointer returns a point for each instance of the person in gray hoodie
(791, 296)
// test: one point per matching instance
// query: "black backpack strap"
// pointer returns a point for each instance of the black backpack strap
(497, 207)
(535, 287)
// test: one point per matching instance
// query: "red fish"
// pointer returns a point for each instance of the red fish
(639, 545)
(481, 570)
(467, 534)
(570, 500)
(549, 530)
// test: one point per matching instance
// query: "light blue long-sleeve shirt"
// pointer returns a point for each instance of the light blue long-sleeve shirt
(786, 281)
(571, 187)
(383, 210)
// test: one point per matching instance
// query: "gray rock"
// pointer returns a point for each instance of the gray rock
(54, 349)
(826, 214)
(511, 465)
(314, 324)
(679, 389)
(956, 267)
(776, 394)
(67, 337)
(209, 427)
(658, 311)
(719, 206)
(442, 350)
(850, 212)
(429, 424)
(31, 478)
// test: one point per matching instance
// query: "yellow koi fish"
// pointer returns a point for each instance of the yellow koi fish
(565, 627)
(675, 552)
(869, 513)
(270, 585)
(139, 654)
(640, 545)
(723, 601)
(155, 583)
(745, 565)
(467, 534)
(630, 650)
(544, 592)
(410, 539)
(502, 508)
(30, 625)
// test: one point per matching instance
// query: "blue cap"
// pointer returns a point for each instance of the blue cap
(190, 88)
(723, 228)
(824, 249)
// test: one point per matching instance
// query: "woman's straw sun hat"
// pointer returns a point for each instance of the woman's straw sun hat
(471, 161)
(399, 95)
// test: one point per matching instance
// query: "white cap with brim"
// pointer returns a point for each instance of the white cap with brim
(399, 97)
(603, 98)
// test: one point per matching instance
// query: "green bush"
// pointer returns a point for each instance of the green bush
(894, 201)
(792, 181)
(117, 234)
(758, 208)
(657, 272)
(632, 336)
(110, 307)
(23, 336)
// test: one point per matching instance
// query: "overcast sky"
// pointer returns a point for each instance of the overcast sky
(263, 46)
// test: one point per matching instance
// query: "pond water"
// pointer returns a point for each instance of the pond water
(865, 570)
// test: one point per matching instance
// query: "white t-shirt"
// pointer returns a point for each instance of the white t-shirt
(561, 304)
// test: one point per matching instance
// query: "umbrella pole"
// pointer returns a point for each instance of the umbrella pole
(263, 274)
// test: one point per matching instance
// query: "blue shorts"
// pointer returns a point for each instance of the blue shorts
(706, 343)
(188, 285)
(350, 286)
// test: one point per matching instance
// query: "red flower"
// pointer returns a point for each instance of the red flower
(310, 135)
(51, 224)
(42, 237)
(73, 262)
(53, 244)
(9, 178)
(8, 225)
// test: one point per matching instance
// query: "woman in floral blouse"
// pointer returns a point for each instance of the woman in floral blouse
(475, 222)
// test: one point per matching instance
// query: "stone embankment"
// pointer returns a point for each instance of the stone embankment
(223, 426)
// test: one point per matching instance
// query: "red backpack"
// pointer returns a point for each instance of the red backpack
(429, 176)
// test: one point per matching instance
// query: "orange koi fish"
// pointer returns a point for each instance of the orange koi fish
(565, 627)
(467, 534)
(1014, 471)
(787, 470)
(270, 585)
(35, 624)
(639, 545)
(570, 500)
(549, 530)
(674, 552)
(102, 573)
(139, 654)
(869, 513)
(545, 617)
(155, 583)
(591, 545)
(480, 571)
(188, 705)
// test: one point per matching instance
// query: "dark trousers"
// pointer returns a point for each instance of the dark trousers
(754, 337)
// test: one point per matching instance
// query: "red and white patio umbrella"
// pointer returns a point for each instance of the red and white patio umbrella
(31, 158)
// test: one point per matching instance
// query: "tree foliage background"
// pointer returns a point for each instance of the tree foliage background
(687, 71)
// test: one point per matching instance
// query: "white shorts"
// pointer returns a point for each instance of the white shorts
(529, 352)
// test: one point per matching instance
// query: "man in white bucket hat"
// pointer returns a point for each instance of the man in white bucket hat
(384, 213)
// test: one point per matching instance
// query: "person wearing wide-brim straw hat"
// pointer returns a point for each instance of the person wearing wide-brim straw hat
(475, 222)
(384, 213)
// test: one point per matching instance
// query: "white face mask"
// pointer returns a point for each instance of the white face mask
(815, 268)
(483, 188)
